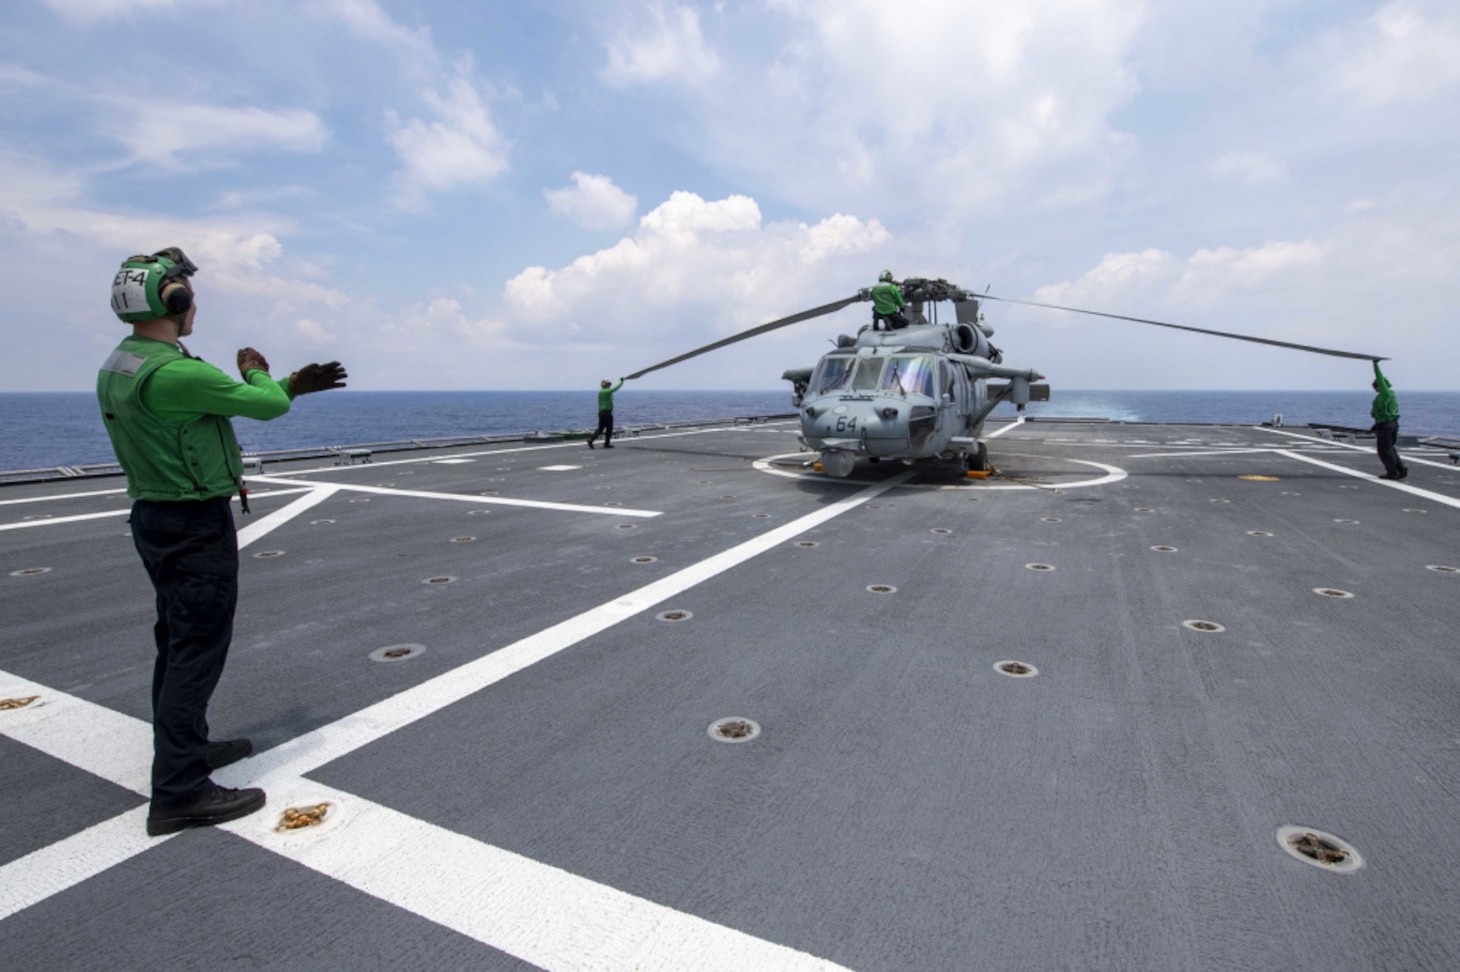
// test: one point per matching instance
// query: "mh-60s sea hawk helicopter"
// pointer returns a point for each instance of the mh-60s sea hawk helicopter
(918, 390)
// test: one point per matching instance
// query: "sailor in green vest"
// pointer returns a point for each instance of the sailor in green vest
(605, 413)
(1385, 412)
(887, 303)
(167, 414)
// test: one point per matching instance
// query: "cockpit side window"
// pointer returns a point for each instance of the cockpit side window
(831, 373)
(909, 374)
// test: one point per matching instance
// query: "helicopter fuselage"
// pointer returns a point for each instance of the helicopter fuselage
(919, 392)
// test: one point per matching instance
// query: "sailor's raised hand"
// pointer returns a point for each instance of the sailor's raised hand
(250, 360)
(318, 377)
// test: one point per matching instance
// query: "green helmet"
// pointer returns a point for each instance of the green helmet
(886, 276)
(148, 287)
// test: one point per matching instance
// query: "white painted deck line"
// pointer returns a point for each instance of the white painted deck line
(124, 511)
(56, 520)
(1367, 450)
(66, 863)
(1430, 495)
(469, 498)
(539, 913)
(64, 496)
(648, 935)
(91, 737)
(577, 443)
(255, 530)
(534, 911)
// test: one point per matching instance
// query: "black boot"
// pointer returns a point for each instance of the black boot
(217, 805)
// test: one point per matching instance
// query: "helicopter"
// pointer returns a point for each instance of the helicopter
(919, 386)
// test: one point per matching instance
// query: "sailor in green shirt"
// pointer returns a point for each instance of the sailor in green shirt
(167, 414)
(605, 413)
(1385, 412)
(887, 302)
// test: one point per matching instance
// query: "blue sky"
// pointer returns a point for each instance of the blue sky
(534, 195)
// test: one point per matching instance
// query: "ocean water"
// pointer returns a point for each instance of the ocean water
(45, 429)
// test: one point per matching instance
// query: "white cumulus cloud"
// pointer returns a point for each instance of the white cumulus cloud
(715, 263)
(459, 146)
(593, 202)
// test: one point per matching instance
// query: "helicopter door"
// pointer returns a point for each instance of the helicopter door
(961, 399)
(947, 401)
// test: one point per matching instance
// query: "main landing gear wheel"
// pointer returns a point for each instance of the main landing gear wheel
(978, 460)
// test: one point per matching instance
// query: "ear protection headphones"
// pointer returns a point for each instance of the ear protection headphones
(148, 287)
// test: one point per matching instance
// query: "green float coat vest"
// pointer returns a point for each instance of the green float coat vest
(199, 460)
(1386, 403)
(886, 298)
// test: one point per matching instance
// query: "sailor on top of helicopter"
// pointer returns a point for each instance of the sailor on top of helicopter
(887, 304)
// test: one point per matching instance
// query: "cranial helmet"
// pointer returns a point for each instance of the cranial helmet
(148, 287)
(886, 276)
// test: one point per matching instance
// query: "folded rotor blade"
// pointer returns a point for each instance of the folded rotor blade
(761, 329)
(1200, 330)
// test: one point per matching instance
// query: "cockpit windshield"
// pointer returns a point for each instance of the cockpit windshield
(909, 374)
(831, 374)
(868, 369)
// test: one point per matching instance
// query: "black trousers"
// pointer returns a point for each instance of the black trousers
(190, 551)
(605, 426)
(1385, 435)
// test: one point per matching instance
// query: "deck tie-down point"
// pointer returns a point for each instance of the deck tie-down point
(734, 730)
(298, 819)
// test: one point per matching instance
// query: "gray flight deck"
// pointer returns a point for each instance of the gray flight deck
(1219, 672)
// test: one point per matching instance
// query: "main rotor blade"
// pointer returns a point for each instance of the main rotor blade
(1200, 330)
(760, 329)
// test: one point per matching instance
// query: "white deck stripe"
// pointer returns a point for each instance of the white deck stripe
(1440, 498)
(258, 529)
(1203, 452)
(77, 518)
(1012, 425)
(468, 498)
(496, 452)
(66, 863)
(101, 741)
(55, 520)
(551, 918)
(539, 913)
(534, 911)
(63, 496)
(1408, 457)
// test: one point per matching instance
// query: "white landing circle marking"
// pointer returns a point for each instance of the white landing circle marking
(1113, 474)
